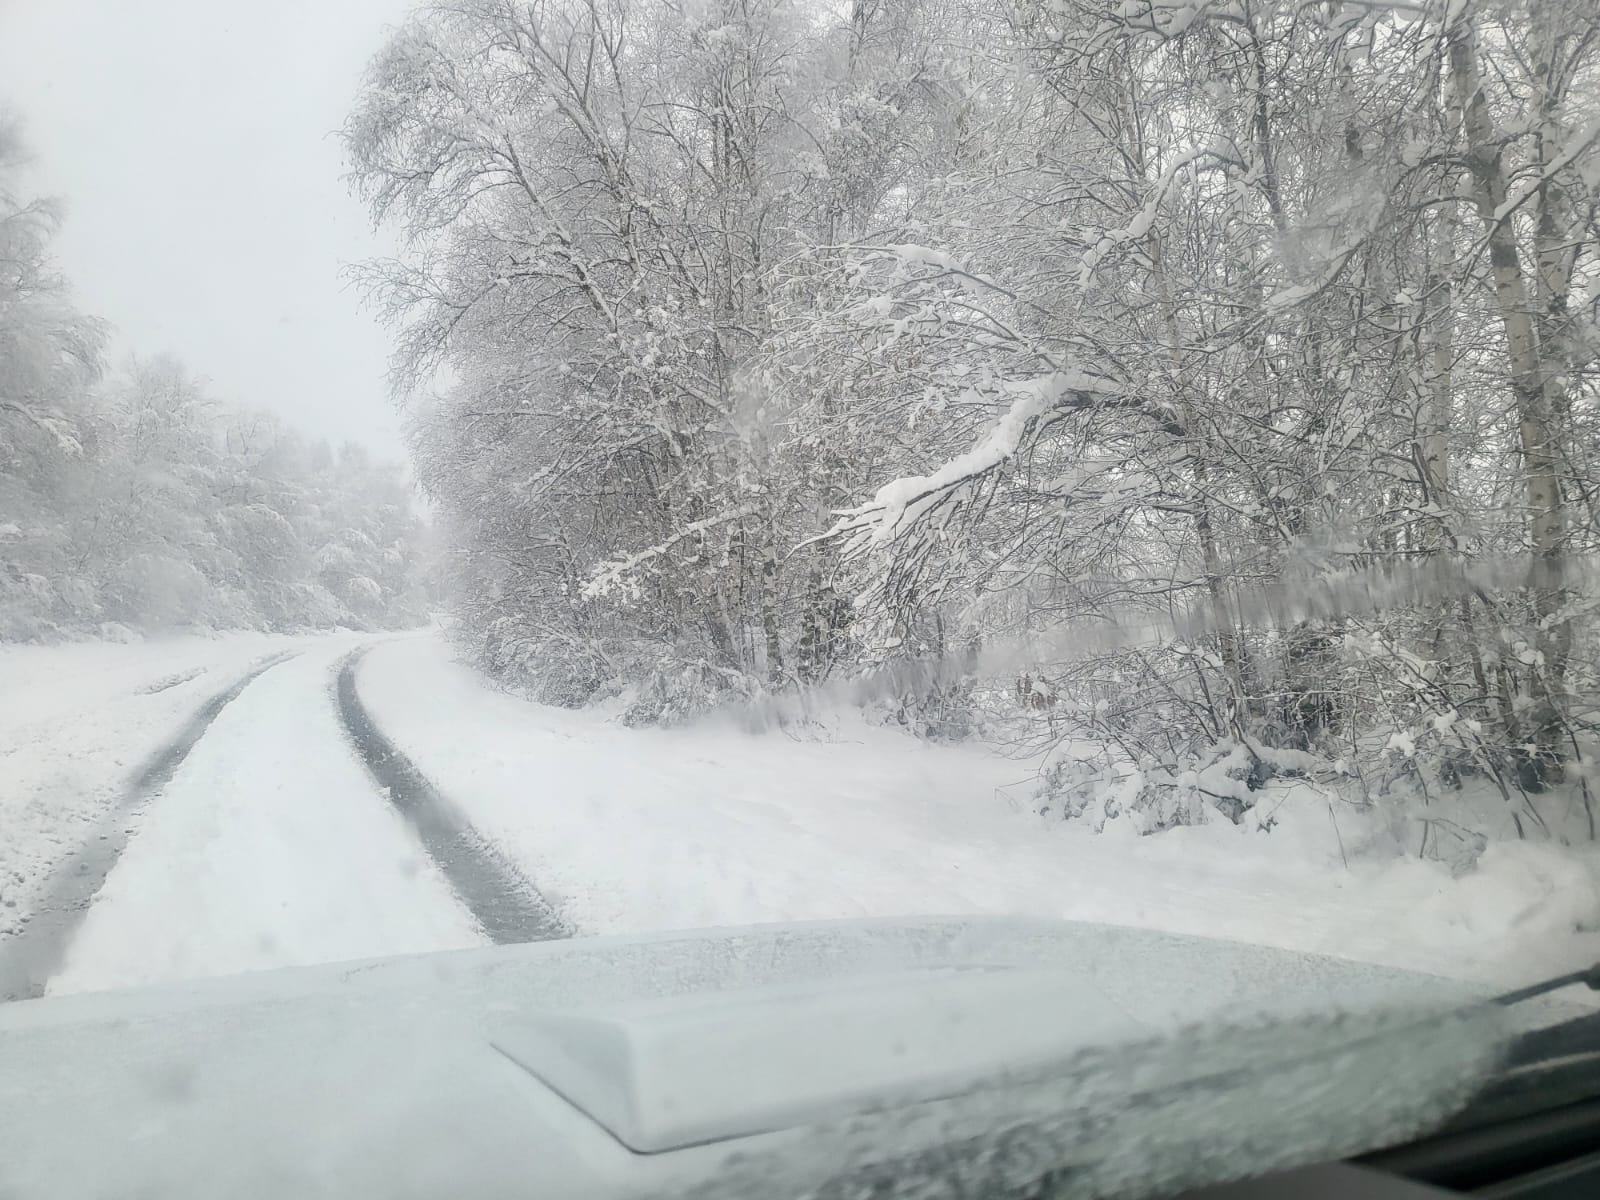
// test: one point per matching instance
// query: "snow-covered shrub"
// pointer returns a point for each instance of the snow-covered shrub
(161, 590)
(363, 595)
(945, 713)
(1151, 796)
(312, 606)
(24, 605)
(1069, 787)
(679, 688)
(555, 669)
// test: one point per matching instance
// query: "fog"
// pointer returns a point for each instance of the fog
(193, 144)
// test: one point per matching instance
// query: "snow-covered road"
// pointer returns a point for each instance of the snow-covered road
(271, 844)
(266, 845)
(77, 722)
(269, 847)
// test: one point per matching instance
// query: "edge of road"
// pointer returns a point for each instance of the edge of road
(30, 956)
(501, 898)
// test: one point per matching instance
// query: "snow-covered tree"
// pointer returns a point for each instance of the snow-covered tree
(1221, 372)
(1229, 324)
(136, 499)
(596, 197)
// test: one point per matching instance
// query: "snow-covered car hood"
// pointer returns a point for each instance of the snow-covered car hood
(761, 1061)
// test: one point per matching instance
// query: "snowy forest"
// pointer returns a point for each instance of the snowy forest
(1196, 393)
(133, 501)
(1212, 379)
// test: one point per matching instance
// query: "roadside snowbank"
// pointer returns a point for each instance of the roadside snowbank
(630, 830)
(76, 721)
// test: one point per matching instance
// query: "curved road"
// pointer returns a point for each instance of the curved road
(278, 827)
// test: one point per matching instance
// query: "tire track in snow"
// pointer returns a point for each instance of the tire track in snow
(31, 956)
(502, 899)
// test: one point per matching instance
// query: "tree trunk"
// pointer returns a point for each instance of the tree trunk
(1535, 418)
(770, 627)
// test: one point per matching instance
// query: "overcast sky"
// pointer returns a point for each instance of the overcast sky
(192, 141)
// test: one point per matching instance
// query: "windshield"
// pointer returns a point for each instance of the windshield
(483, 472)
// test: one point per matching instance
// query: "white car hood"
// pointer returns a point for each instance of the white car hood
(762, 1061)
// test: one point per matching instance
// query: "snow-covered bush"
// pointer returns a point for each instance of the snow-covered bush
(1147, 795)
(676, 689)
(558, 669)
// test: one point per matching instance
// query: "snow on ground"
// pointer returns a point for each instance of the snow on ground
(269, 847)
(76, 721)
(630, 830)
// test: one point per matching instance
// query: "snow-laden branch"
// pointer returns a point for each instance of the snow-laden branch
(1567, 157)
(903, 503)
(51, 423)
(936, 264)
(615, 572)
(1139, 227)
(1289, 297)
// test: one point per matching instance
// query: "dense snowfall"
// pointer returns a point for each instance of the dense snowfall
(1129, 462)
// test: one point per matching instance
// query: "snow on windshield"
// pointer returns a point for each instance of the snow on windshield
(671, 465)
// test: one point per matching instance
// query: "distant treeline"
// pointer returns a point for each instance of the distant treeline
(133, 500)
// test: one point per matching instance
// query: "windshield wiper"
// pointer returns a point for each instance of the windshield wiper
(1544, 1108)
(1589, 978)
